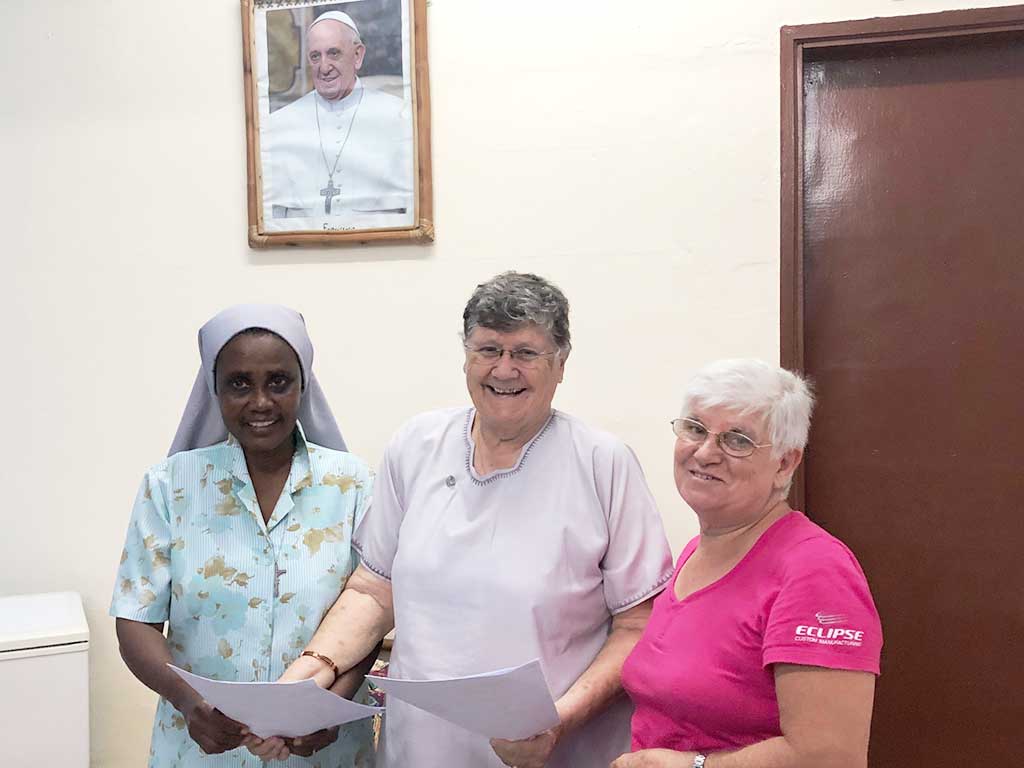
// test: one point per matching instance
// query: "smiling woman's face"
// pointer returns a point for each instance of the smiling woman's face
(511, 399)
(724, 490)
(259, 386)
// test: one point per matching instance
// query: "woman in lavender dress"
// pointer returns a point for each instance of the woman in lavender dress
(499, 533)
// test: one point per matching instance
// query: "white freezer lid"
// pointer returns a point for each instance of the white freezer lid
(37, 621)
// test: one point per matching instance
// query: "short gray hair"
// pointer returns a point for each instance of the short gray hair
(752, 386)
(512, 300)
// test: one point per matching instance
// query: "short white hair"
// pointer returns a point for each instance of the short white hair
(751, 386)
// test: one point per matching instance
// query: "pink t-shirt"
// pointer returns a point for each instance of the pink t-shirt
(701, 676)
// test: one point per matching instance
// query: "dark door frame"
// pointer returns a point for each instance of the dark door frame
(796, 42)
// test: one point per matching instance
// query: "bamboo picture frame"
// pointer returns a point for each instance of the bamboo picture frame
(337, 122)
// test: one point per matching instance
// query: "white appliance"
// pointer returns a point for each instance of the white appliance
(44, 681)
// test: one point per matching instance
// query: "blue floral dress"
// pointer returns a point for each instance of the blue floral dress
(242, 597)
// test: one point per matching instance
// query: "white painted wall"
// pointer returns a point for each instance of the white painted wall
(635, 162)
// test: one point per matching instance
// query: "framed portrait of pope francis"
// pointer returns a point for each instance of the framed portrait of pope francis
(337, 121)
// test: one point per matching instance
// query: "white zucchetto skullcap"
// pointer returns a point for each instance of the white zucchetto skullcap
(344, 18)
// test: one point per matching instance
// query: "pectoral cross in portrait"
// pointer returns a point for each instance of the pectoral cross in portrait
(329, 192)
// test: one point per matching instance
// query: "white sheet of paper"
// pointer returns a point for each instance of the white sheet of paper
(278, 709)
(512, 703)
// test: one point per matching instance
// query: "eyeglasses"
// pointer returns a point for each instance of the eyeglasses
(735, 444)
(488, 354)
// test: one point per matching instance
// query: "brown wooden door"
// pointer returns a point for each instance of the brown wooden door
(903, 296)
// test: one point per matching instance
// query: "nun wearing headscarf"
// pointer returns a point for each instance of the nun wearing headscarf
(240, 541)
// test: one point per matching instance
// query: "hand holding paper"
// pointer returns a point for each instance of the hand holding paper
(278, 709)
(528, 753)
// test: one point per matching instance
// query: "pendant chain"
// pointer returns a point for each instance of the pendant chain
(332, 170)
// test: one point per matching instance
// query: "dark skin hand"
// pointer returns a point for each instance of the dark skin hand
(305, 746)
(144, 649)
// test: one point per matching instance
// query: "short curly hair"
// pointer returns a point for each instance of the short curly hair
(512, 300)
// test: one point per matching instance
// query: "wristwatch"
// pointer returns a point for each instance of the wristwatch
(698, 760)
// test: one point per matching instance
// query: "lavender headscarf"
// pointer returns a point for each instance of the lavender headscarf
(201, 424)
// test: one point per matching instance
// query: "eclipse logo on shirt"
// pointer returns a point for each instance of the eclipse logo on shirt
(828, 633)
(830, 618)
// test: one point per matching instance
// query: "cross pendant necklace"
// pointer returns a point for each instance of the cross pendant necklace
(330, 191)
(278, 573)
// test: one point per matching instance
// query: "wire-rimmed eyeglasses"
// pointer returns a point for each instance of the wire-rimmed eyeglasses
(490, 354)
(735, 444)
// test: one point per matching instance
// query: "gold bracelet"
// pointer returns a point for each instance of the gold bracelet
(326, 660)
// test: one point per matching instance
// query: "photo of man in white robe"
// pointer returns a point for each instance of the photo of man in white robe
(341, 156)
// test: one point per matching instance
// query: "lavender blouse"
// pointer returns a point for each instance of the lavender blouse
(492, 571)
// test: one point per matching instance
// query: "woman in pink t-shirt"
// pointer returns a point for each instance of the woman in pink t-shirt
(763, 651)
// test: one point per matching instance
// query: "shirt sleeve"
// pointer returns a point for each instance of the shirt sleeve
(142, 590)
(638, 562)
(376, 535)
(823, 615)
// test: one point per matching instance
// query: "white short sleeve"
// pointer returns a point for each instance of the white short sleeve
(376, 536)
(638, 562)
